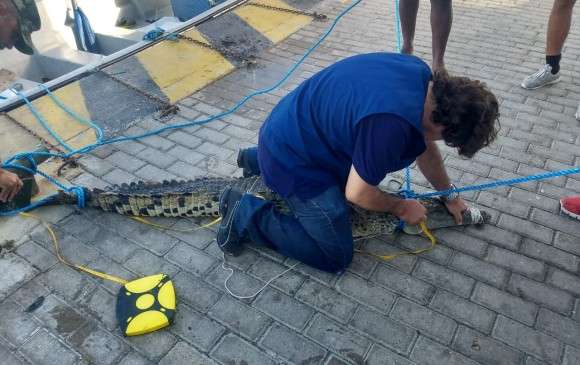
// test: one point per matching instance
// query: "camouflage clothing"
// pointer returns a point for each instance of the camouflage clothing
(28, 22)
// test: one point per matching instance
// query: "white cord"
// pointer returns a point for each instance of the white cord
(259, 290)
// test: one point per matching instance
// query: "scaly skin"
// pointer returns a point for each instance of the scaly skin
(200, 198)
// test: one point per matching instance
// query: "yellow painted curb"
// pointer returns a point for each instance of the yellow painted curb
(180, 68)
(273, 24)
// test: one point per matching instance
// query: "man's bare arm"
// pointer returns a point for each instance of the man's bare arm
(370, 197)
(431, 165)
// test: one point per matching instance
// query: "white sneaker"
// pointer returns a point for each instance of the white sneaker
(540, 78)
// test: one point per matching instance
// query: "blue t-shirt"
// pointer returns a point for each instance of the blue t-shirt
(365, 110)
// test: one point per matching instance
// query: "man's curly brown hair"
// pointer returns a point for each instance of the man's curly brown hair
(468, 110)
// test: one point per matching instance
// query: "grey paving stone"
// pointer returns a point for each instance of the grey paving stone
(366, 292)
(156, 157)
(484, 349)
(463, 311)
(96, 166)
(571, 356)
(16, 273)
(69, 283)
(564, 280)
(567, 243)
(125, 161)
(196, 329)
(145, 236)
(59, 316)
(444, 278)
(234, 350)
(118, 177)
(35, 254)
(146, 263)
(186, 171)
(155, 345)
(516, 262)
(326, 300)
(556, 222)
(505, 303)
(384, 330)
(195, 292)
(381, 356)
(11, 358)
(158, 142)
(428, 322)
(528, 340)
(333, 360)
(185, 139)
(183, 354)
(30, 292)
(550, 255)
(265, 269)
(240, 318)
(533, 199)
(118, 248)
(152, 173)
(440, 254)
(386, 247)
(362, 265)
(238, 283)
(101, 305)
(191, 259)
(187, 155)
(338, 339)
(563, 328)
(495, 235)
(284, 308)
(507, 206)
(44, 348)
(17, 325)
(292, 346)
(432, 353)
(526, 228)
(534, 291)
(133, 358)
(106, 265)
(404, 284)
(480, 270)
(97, 346)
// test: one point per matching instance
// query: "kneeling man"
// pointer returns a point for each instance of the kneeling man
(333, 140)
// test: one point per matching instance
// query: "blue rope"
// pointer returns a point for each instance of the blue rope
(41, 120)
(74, 115)
(495, 184)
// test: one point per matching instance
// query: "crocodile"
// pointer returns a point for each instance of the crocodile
(200, 198)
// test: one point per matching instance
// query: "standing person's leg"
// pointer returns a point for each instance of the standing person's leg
(558, 29)
(441, 21)
(408, 14)
(317, 233)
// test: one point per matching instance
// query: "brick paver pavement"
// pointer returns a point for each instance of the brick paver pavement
(504, 294)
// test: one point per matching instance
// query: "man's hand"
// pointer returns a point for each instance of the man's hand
(10, 185)
(456, 207)
(411, 212)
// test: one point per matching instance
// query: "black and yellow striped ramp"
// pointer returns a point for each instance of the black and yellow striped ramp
(169, 70)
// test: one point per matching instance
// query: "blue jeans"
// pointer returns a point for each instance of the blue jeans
(317, 231)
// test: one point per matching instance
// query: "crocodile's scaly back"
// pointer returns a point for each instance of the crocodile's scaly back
(200, 198)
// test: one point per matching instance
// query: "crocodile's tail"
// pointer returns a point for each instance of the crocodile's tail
(191, 198)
